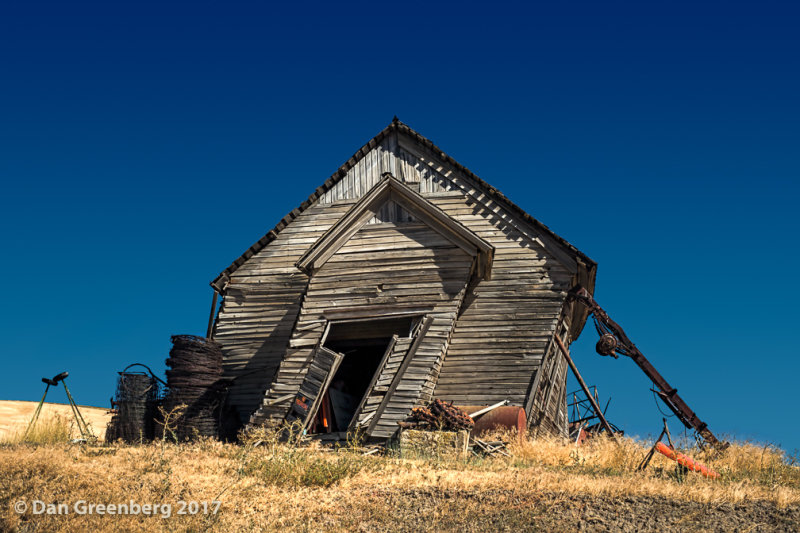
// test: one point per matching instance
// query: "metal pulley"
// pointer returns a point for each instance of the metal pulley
(607, 345)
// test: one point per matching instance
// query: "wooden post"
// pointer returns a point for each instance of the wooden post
(646, 460)
(669, 437)
(586, 391)
(211, 316)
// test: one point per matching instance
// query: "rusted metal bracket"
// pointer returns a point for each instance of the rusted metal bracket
(613, 341)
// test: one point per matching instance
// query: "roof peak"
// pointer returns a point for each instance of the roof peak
(401, 128)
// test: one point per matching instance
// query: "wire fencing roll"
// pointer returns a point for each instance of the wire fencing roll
(195, 386)
(136, 401)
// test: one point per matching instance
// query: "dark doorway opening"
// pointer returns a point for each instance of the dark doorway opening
(363, 344)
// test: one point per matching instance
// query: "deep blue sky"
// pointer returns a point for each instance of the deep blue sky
(144, 147)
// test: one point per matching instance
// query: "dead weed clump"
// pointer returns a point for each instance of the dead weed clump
(600, 456)
(272, 457)
(763, 464)
(51, 429)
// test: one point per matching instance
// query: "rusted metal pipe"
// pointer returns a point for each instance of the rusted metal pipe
(607, 328)
(588, 394)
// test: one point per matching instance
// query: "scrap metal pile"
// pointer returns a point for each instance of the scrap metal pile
(583, 422)
(447, 419)
(441, 416)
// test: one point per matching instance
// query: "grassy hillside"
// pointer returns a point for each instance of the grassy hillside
(266, 486)
(15, 415)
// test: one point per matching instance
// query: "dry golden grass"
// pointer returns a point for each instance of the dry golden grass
(748, 471)
(15, 415)
(265, 485)
(49, 429)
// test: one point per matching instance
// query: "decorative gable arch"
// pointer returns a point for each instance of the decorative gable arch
(391, 191)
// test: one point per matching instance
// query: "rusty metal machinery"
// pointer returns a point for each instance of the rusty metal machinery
(508, 417)
(613, 341)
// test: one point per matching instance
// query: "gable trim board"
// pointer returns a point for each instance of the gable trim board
(391, 190)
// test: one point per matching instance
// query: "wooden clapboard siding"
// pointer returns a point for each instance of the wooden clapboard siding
(364, 174)
(414, 386)
(387, 156)
(546, 404)
(506, 323)
(392, 212)
(371, 269)
(260, 306)
(497, 335)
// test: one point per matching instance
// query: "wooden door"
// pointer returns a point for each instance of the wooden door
(394, 364)
(370, 392)
(323, 367)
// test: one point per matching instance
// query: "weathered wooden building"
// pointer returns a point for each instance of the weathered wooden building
(404, 277)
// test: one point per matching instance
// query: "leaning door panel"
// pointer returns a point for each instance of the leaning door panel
(375, 394)
(323, 366)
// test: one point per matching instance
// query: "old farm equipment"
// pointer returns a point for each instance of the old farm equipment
(584, 421)
(83, 427)
(50, 383)
(684, 461)
(135, 405)
(195, 386)
(613, 341)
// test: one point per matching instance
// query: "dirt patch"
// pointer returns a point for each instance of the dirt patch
(510, 510)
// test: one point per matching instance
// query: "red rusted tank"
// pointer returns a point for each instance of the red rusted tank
(506, 417)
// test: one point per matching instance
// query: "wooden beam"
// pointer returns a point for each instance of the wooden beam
(597, 410)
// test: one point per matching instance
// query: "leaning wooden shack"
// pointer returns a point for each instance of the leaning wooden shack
(403, 278)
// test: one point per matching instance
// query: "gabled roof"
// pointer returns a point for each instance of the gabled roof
(389, 189)
(397, 126)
